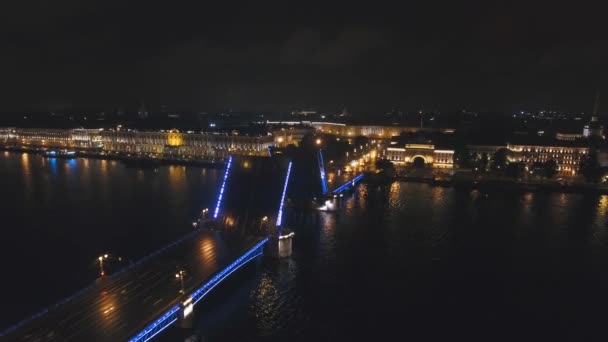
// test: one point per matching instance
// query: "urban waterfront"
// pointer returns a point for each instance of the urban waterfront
(406, 259)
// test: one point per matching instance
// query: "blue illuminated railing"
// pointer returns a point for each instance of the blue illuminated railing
(219, 198)
(280, 214)
(117, 274)
(172, 315)
(322, 171)
(348, 184)
(254, 252)
(159, 325)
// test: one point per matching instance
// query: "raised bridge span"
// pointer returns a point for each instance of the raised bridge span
(138, 303)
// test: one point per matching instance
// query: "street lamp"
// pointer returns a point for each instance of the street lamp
(262, 221)
(180, 275)
(101, 258)
(319, 141)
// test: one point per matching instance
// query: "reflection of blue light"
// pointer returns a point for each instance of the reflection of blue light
(219, 199)
(322, 170)
(172, 314)
(348, 184)
(54, 164)
(280, 214)
(72, 163)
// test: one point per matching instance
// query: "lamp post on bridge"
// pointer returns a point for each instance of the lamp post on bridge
(101, 258)
(105, 258)
(264, 220)
(180, 275)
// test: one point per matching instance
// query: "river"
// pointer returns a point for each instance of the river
(406, 261)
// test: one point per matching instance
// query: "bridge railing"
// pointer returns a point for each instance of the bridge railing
(159, 325)
(172, 315)
(348, 184)
(254, 252)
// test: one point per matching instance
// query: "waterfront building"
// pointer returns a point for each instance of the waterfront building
(372, 131)
(165, 143)
(421, 155)
(565, 148)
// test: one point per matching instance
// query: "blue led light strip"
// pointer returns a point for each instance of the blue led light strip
(254, 252)
(280, 214)
(348, 184)
(219, 198)
(322, 170)
(159, 325)
(171, 316)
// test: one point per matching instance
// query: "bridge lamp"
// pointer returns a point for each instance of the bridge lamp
(101, 259)
(180, 275)
(319, 141)
(262, 221)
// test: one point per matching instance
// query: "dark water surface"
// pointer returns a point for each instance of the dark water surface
(58, 216)
(403, 262)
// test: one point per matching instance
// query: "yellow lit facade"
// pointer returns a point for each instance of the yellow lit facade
(195, 145)
(371, 131)
(432, 157)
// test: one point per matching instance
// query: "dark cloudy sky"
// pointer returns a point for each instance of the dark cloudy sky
(373, 56)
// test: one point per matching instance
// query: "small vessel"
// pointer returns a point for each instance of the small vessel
(65, 154)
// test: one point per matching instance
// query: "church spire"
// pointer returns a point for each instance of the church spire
(596, 106)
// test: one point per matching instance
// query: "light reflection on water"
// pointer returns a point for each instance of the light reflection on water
(419, 257)
(64, 212)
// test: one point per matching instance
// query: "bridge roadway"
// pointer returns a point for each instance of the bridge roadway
(121, 307)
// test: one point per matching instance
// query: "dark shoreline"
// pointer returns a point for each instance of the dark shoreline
(500, 185)
(126, 159)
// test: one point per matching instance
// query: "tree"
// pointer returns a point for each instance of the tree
(386, 168)
(384, 164)
(590, 167)
(550, 168)
(499, 159)
(463, 158)
(484, 161)
(515, 170)
(360, 141)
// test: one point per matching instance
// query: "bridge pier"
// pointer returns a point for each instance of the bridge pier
(186, 314)
(280, 245)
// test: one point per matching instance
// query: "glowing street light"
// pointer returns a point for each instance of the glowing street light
(101, 258)
(180, 275)
(263, 221)
(319, 141)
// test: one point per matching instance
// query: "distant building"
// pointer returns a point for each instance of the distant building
(424, 155)
(304, 112)
(195, 145)
(372, 131)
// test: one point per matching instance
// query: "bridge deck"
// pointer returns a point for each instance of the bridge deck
(117, 308)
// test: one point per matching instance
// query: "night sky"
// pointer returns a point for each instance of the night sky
(257, 56)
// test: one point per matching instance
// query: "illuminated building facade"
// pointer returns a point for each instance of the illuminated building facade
(425, 155)
(567, 154)
(172, 143)
(371, 131)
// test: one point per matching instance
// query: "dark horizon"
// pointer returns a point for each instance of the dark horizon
(260, 57)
